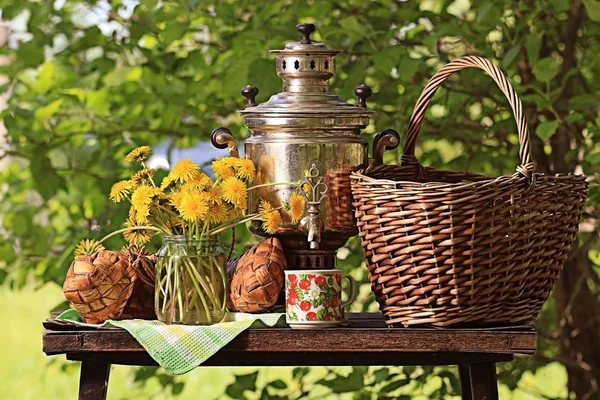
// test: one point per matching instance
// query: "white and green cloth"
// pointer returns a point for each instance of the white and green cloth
(181, 348)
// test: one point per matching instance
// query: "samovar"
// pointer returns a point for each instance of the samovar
(306, 133)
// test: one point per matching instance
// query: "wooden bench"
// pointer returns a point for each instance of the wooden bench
(365, 341)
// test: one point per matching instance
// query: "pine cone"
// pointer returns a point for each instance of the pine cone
(257, 279)
(141, 302)
(98, 286)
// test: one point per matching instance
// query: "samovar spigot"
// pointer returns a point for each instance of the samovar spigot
(315, 191)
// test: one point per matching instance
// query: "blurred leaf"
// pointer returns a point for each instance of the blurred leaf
(533, 44)
(177, 388)
(510, 56)
(546, 69)
(47, 180)
(342, 384)
(45, 112)
(593, 9)
(546, 129)
(394, 385)
(278, 384)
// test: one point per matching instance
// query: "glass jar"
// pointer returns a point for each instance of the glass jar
(190, 281)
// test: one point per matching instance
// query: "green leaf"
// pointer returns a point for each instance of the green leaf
(299, 293)
(300, 372)
(593, 9)
(45, 78)
(561, 5)
(341, 384)
(242, 383)
(394, 385)
(546, 69)
(7, 253)
(47, 180)
(510, 56)
(97, 101)
(545, 130)
(149, 4)
(321, 314)
(177, 388)
(47, 111)
(278, 384)
(532, 45)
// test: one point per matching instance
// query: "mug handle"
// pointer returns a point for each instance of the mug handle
(352, 295)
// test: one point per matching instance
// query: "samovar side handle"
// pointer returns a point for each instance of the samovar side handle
(387, 139)
(222, 138)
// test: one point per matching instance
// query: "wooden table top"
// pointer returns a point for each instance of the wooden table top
(365, 341)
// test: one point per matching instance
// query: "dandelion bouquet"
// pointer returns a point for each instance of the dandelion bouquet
(189, 209)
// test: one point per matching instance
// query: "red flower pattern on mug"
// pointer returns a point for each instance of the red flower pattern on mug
(311, 316)
(338, 278)
(312, 277)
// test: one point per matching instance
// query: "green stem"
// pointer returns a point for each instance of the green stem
(273, 184)
(133, 228)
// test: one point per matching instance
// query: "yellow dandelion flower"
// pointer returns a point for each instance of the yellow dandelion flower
(297, 203)
(271, 221)
(185, 170)
(193, 207)
(265, 207)
(138, 154)
(143, 195)
(142, 213)
(222, 167)
(201, 181)
(136, 236)
(215, 195)
(175, 198)
(235, 192)
(245, 169)
(141, 177)
(167, 180)
(217, 213)
(119, 191)
(87, 247)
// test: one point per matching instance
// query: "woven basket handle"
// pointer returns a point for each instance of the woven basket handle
(408, 157)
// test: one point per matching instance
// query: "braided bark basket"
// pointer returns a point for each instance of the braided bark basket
(444, 248)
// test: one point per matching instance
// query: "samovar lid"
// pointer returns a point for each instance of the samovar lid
(305, 68)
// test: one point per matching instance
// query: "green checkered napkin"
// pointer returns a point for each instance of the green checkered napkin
(181, 348)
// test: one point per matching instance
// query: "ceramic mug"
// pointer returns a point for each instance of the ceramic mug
(313, 298)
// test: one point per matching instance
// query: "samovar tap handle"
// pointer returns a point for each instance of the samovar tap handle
(222, 138)
(387, 139)
(312, 224)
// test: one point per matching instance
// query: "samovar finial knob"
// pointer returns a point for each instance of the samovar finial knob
(250, 92)
(305, 30)
(363, 92)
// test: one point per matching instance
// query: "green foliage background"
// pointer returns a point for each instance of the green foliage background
(81, 98)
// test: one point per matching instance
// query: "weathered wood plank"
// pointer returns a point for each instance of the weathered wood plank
(332, 340)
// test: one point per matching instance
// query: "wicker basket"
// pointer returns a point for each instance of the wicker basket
(445, 248)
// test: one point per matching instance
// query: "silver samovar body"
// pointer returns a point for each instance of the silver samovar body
(307, 133)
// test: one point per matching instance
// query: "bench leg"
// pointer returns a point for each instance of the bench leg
(93, 380)
(478, 381)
